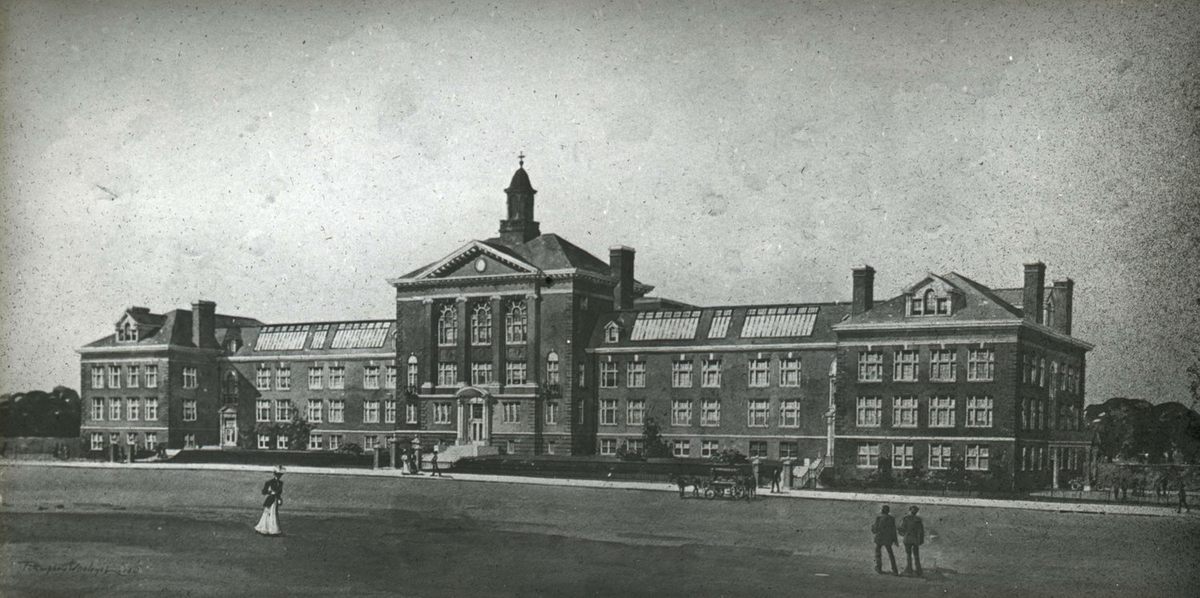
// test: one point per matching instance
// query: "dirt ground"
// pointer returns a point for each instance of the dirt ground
(75, 532)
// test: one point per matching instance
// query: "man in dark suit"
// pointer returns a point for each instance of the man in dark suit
(913, 531)
(884, 529)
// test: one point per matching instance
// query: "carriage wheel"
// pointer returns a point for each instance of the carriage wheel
(709, 493)
(738, 492)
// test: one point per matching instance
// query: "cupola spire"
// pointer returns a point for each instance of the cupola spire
(519, 227)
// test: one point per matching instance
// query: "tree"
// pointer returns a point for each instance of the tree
(39, 413)
(653, 440)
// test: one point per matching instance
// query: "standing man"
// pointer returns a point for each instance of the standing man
(434, 463)
(884, 529)
(1182, 498)
(775, 475)
(913, 531)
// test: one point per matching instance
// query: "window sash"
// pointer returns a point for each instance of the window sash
(710, 373)
(789, 413)
(681, 412)
(904, 412)
(869, 412)
(710, 413)
(608, 412)
(789, 372)
(904, 366)
(337, 411)
(870, 366)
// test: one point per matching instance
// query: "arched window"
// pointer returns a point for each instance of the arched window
(127, 332)
(930, 302)
(232, 345)
(412, 373)
(230, 388)
(1048, 313)
(552, 368)
(481, 324)
(448, 326)
(516, 323)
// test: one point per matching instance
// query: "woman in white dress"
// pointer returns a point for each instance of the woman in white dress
(268, 524)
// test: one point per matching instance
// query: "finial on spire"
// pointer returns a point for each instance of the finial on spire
(521, 159)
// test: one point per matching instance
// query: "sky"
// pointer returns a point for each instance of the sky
(285, 159)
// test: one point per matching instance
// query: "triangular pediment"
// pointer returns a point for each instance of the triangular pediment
(939, 285)
(477, 259)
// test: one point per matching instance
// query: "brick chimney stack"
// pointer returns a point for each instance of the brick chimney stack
(1064, 298)
(1035, 288)
(863, 298)
(204, 324)
(620, 261)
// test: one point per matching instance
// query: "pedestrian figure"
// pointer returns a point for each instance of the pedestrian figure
(268, 524)
(884, 530)
(682, 483)
(1124, 491)
(1183, 504)
(434, 463)
(913, 531)
(775, 475)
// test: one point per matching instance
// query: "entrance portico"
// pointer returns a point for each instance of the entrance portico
(474, 416)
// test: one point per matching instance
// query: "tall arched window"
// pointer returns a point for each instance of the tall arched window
(481, 324)
(448, 326)
(552, 368)
(412, 373)
(230, 388)
(516, 323)
(1048, 313)
(930, 302)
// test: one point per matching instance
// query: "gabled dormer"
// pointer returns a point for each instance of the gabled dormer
(932, 297)
(137, 324)
(612, 332)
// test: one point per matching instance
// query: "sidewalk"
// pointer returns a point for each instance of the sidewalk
(894, 499)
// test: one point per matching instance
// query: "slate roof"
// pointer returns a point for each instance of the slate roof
(171, 328)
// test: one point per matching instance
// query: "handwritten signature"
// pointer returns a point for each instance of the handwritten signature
(75, 567)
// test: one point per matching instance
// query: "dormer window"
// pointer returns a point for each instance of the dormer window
(612, 332)
(127, 332)
(929, 302)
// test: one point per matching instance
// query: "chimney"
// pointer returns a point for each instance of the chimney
(1064, 297)
(863, 298)
(1035, 289)
(204, 324)
(620, 261)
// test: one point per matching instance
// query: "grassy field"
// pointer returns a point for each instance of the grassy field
(78, 532)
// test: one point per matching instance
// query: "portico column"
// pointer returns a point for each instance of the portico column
(464, 341)
(487, 420)
(462, 422)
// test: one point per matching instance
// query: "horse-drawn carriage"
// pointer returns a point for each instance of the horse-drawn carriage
(728, 482)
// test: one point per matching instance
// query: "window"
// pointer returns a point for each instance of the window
(114, 409)
(582, 378)
(335, 441)
(720, 323)
(441, 413)
(515, 323)
(789, 372)
(979, 412)
(681, 448)
(549, 447)
(681, 412)
(708, 448)
(681, 374)
(552, 413)
(941, 365)
(904, 368)
(97, 376)
(608, 446)
(389, 411)
(904, 412)
(939, 456)
(264, 441)
(635, 412)
(447, 373)
(281, 442)
(869, 413)
(410, 413)
(337, 377)
(371, 411)
(316, 412)
(283, 410)
(318, 337)
(759, 372)
(262, 410)
(114, 438)
(710, 412)
(981, 365)
(512, 412)
(636, 446)
(978, 457)
(134, 408)
(789, 413)
(337, 411)
(481, 324)
(151, 440)
(552, 376)
(510, 447)
(151, 378)
(189, 441)
(411, 373)
(447, 326)
(97, 441)
(316, 377)
(758, 448)
(189, 377)
(283, 377)
(114, 376)
(131, 439)
(902, 455)
(132, 377)
(868, 454)
(608, 374)
(757, 413)
(389, 377)
(941, 412)
(371, 377)
(710, 373)
(262, 378)
(612, 333)
(789, 450)
(516, 372)
(315, 441)
(636, 377)
(151, 411)
(870, 366)
(97, 409)
(481, 373)
(608, 412)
